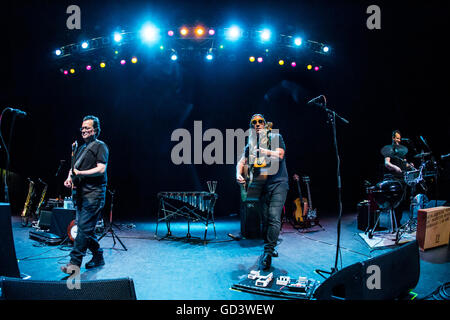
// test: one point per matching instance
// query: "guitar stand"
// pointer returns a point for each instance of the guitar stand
(111, 224)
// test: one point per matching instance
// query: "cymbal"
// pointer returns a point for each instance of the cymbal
(394, 150)
(423, 154)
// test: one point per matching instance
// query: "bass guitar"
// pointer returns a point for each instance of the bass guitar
(301, 204)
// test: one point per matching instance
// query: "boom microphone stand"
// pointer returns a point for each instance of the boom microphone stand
(332, 120)
(111, 224)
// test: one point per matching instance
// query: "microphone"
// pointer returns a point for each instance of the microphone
(314, 101)
(423, 140)
(19, 113)
(445, 156)
(405, 139)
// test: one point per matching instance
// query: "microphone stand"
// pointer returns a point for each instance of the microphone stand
(332, 119)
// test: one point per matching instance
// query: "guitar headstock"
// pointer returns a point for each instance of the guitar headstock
(306, 179)
(296, 177)
(269, 126)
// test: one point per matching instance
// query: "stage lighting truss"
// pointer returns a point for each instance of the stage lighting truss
(212, 42)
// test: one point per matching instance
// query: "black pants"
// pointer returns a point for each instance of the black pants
(272, 203)
(89, 208)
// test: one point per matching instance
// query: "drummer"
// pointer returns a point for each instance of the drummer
(397, 164)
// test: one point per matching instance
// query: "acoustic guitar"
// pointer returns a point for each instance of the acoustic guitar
(301, 204)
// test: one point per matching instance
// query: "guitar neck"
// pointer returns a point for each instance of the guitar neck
(309, 196)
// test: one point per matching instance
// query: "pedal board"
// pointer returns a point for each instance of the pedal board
(43, 236)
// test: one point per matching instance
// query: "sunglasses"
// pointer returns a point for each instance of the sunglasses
(257, 121)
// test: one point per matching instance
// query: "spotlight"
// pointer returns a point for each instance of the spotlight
(260, 59)
(211, 32)
(325, 49)
(209, 56)
(122, 62)
(116, 52)
(184, 31)
(161, 47)
(72, 71)
(309, 67)
(293, 64)
(84, 45)
(66, 72)
(281, 62)
(233, 33)
(149, 33)
(170, 33)
(117, 37)
(58, 52)
(252, 59)
(102, 64)
(298, 41)
(266, 34)
(316, 68)
(133, 60)
(88, 67)
(173, 57)
(199, 31)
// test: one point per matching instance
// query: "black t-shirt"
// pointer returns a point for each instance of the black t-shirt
(96, 153)
(399, 163)
(281, 177)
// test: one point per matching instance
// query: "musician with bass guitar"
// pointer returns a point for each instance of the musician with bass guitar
(265, 149)
(88, 179)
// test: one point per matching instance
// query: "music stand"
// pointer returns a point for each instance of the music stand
(111, 224)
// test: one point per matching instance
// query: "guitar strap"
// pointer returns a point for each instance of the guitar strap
(80, 158)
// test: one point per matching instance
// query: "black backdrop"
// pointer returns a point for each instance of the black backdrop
(380, 80)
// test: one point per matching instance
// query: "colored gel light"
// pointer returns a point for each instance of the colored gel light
(170, 33)
(326, 49)
(294, 64)
(260, 59)
(199, 31)
(309, 67)
(211, 32)
(84, 45)
(88, 67)
(133, 60)
(184, 31)
(117, 37)
(122, 62)
(102, 65)
(252, 59)
(58, 52)
(298, 41)
(281, 62)
(66, 72)
(316, 68)
(72, 71)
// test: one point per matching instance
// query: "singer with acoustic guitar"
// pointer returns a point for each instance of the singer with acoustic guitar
(259, 152)
(88, 180)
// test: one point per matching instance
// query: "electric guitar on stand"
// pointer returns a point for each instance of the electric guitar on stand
(301, 204)
(311, 214)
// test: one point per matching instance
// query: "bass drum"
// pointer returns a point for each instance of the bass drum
(72, 230)
(388, 194)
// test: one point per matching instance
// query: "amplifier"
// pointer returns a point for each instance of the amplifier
(45, 220)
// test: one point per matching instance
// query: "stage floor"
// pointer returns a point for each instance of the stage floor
(192, 270)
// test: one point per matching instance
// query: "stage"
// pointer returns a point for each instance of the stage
(192, 270)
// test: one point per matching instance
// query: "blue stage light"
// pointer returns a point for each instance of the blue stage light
(298, 41)
(84, 45)
(58, 52)
(149, 33)
(117, 37)
(266, 34)
(209, 56)
(233, 33)
(173, 57)
(326, 49)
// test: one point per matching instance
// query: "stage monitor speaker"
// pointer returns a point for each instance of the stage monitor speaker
(61, 218)
(386, 277)
(251, 220)
(45, 220)
(114, 289)
(8, 259)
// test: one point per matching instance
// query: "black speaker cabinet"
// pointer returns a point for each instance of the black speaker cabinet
(114, 289)
(60, 221)
(8, 259)
(366, 218)
(386, 277)
(45, 219)
(251, 220)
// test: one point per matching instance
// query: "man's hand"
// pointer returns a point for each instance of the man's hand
(240, 179)
(68, 183)
(76, 172)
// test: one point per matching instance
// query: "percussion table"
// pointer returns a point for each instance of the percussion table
(197, 206)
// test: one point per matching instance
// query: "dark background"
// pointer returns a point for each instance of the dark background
(380, 80)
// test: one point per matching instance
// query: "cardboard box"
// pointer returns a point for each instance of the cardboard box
(433, 227)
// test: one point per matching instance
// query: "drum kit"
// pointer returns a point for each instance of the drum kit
(390, 192)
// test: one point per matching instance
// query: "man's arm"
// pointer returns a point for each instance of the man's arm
(94, 172)
(240, 169)
(390, 166)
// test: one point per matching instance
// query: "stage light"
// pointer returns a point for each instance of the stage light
(66, 72)
(88, 67)
(149, 33)
(233, 33)
(133, 60)
(298, 41)
(260, 59)
(58, 52)
(184, 31)
(316, 68)
(309, 67)
(161, 47)
(211, 32)
(122, 62)
(325, 49)
(170, 33)
(173, 57)
(72, 71)
(116, 52)
(281, 62)
(84, 45)
(117, 37)
(293, 64)
(266, 34)
(209, 56)
(199, 31)
(252, 59)
(221, 46)
(102, 64)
